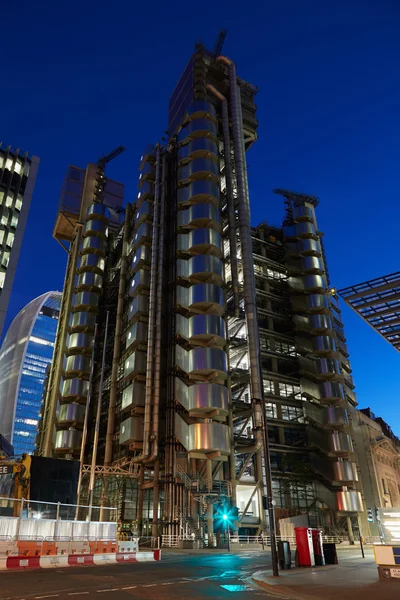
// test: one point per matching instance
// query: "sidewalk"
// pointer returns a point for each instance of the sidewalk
(354, 578)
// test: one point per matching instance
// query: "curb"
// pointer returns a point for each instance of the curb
(73, 560)
(277, 589)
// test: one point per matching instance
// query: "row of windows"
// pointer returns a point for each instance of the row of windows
(8, 200)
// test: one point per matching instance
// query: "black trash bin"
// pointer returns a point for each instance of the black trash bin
(330, 554)
(284, 555)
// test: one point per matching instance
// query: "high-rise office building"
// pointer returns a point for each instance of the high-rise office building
(18, 171)
(25, 354)
(204, 322)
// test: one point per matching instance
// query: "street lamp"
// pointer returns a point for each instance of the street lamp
(225, 518)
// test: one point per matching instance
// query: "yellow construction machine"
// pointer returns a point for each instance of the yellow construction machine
(21, 474)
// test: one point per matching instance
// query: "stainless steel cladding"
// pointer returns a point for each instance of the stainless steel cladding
(139, 307)
(340, 443)
(306, 230)
(317, 303)
(324, 345)
(200, 109)
(329, 368)
(203, 329)
(202, 269)
(68, 440)
(311, 264)
(94, 245)
(302, 213)
(141, 258)
(80, 343)
(201, 241)
(200, 215)
(133, 395)
(139, 283)
(136, 335)
(75, 389)
(99, 212)
(202, 362)
(309, 247)
(349, 501)
(131, 431)
(92, 263)
(71, 414)
(144, 212)
(143, 235)
(199, 192)
(77, 366)
(148, 172)
(335, 417)
(85, 301)
(135, 364)
(203, 437)
(146, 192)
(95, 228)
(198, 148)
(314, 283)
(332, 392)
(320, 324)
(83, 321)
(202, 398)
(344, 471)
(199, 168)
(89, 282)
(202, 297)
(198, 128)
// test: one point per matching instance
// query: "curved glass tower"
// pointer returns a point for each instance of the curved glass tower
(26, 352)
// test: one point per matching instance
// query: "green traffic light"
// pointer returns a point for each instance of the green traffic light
(225, 517)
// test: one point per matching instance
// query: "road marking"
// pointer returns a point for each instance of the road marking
(109, 590)
(77, 593)
(169, 583)
(150, 585)
(49, 596)
(130, 587)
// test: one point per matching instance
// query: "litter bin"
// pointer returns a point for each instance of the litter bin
(330, 554)
(284, 555)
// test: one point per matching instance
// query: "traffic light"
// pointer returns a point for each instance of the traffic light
(225, 517)
(370, 514)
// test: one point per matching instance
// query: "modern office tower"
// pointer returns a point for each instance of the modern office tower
(18, 171)
(201, 322)
(25, 354)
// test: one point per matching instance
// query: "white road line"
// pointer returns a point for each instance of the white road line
(150, 585)
(169, 583)
(130, 587)
(49, 596)
(109, 590)
(77, 593)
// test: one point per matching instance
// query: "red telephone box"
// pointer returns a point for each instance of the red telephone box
(305, 547)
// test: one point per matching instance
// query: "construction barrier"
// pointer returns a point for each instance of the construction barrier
(74, 560)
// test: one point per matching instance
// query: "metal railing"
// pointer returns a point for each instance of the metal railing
(172, 541)
(34, 509)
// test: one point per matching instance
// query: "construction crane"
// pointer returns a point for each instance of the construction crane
(21, 474)
(219, 43)
(101, 163)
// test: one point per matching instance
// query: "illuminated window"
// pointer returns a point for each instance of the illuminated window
(9, 201)
(9, 163)
(6, 259)
(1, 162)
(2, 278)
(4, 220)
(41, 341)
(18, 203)
(1, 195)
(2, 232)
(14, 221)
(30, 421)
(10, 239)
(18, 166)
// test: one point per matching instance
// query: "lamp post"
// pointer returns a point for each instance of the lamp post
(225, 518)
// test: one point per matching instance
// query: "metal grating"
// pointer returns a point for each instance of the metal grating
(378, 302)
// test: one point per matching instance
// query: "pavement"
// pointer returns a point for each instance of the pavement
(180, 575)
(354, 578)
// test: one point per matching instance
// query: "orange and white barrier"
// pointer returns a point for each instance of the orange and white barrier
(29, 561)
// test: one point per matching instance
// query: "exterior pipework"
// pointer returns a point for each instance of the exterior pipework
(157, 369)
(152, 316)
(229, 195)
(117, 341)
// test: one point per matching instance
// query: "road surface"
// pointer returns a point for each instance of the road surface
(177, 576)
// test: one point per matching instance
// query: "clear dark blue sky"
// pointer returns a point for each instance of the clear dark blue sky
(80, 77)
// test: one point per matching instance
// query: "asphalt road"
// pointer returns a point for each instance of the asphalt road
(176, 577)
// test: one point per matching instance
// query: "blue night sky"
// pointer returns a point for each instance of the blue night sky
(81, 77)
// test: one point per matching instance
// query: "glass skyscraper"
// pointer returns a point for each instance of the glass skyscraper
(26, 352)
(17, 179)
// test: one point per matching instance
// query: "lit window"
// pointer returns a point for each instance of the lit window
(1, 161)
(41, 341)
(1, 193)
(18, 166)
(9, 163)
(10, 239)
(14, 221)
(4, 220)
(2, 232)
(2, 278)
(30, 421)
(18, 203)
(6, 259)
(9, 201)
